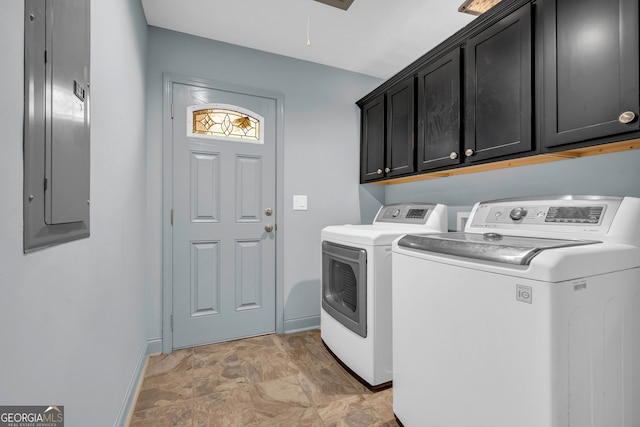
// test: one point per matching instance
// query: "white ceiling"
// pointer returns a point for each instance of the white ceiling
(374, 37)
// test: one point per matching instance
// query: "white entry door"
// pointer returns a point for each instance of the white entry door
(224, 180)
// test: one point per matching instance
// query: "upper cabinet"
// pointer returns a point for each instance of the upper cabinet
(590, 71)
(372, 137)
(498, 81)
(528, 77)
(440, 112)
(400, 128)
(388, 133)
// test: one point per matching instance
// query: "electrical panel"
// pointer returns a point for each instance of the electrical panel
(57, 122)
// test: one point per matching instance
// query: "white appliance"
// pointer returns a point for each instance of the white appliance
(356, 286)
(529, 318)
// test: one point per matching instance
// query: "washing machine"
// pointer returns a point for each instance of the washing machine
(355, 317)
(528, 318)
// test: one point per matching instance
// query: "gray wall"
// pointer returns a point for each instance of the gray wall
(72, 329)
(607, 175)
(321, 139)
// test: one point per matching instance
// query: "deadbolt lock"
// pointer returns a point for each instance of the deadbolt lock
(268, 212)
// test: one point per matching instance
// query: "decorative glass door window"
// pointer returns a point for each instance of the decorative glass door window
(222, 121)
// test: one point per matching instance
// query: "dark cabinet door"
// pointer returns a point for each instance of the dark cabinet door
(498, 99)
(372, 144)
(400, 129)
(439, 113)
(591, 72)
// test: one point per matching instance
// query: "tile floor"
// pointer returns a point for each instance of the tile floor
(272, 380)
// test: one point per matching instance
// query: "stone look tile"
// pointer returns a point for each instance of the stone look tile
(207, 357)
(232, 408)
(298, 417)
(165, 389)
(358, 411)
(222, 379)
(180, 360)
(381, 403)
(172, 415)
(270, 380)
(298, 340)
(282, 402)
(312, 358)
(250, 347)
(269, 364)
(326, 385)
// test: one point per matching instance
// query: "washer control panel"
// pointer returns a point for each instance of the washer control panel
(586, 212)
(546, 214)
(575, 214)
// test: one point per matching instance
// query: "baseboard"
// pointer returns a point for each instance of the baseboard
(154, 346)
(301, 324)
(126, 411)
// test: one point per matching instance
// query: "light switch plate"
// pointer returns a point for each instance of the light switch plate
(299, 202)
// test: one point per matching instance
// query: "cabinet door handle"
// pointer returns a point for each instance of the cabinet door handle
(453, 155)
(379, 171)
(387, 170)
(469, 152)
(627, 117)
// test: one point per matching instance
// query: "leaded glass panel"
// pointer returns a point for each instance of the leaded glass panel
(226, 122)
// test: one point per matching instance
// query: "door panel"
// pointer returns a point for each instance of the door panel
(248, 277)
(205, 279)
(205, 187)
(248, 194)
(223, 258)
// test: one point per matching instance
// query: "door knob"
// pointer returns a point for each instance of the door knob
(268, 228)
(453, 155)
(379, 171)
(469, 152)
(387, 170)
(627, 117)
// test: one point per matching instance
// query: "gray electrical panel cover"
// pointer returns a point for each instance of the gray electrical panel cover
(57, 122)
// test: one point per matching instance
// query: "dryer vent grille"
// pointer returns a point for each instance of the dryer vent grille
(340, 4)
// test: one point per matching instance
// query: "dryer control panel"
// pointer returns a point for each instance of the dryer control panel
(409, 213)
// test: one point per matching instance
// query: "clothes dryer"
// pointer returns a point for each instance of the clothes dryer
(528, 318)
(355, 316)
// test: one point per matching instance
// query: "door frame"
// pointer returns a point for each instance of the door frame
(168, 80)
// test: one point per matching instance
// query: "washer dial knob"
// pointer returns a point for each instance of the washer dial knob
(395, 213)
(517, 214)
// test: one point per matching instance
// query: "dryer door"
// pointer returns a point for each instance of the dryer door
(344, 285)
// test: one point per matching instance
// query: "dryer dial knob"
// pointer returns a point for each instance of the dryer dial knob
(517, 214)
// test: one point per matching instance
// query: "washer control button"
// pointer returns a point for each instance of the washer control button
(518, 213)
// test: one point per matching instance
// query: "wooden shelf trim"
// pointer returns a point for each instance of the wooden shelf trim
(613, 147)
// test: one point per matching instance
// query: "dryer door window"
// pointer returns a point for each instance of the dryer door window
(344, 285)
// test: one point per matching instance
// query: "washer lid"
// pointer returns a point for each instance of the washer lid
(488, 246)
